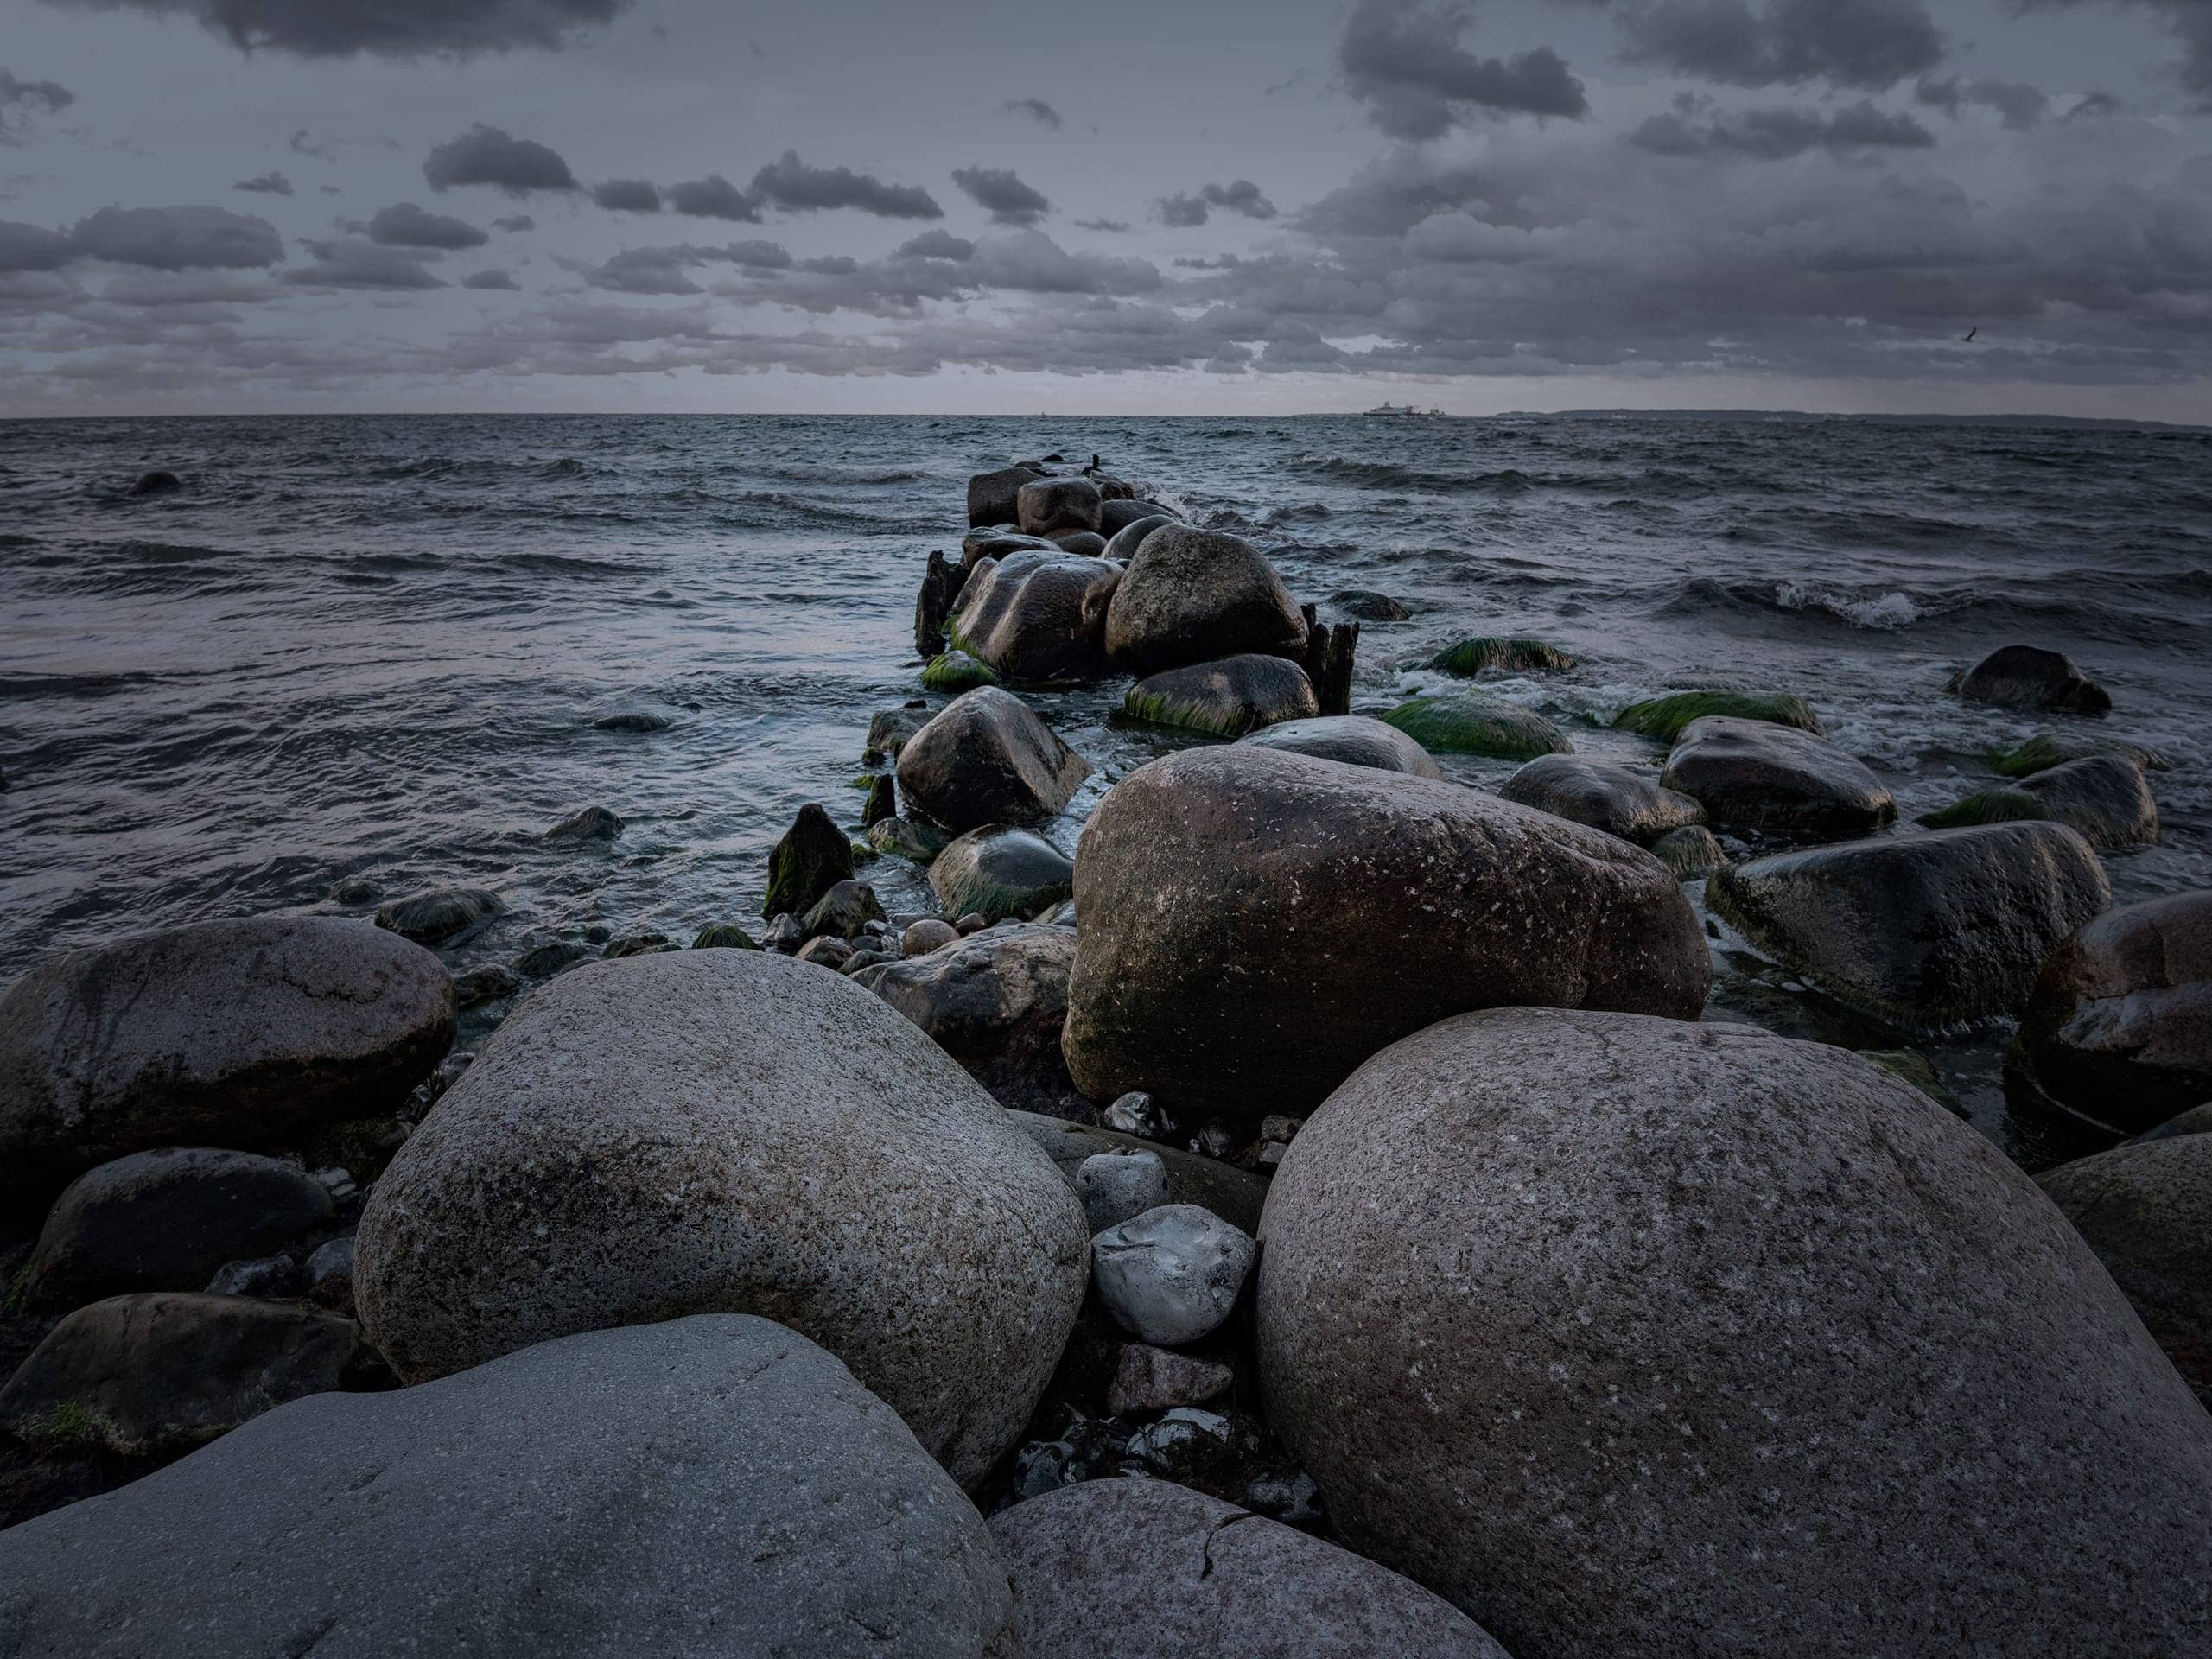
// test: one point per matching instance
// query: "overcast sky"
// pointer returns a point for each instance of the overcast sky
(859, 205)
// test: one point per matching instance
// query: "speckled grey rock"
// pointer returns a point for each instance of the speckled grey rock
(1123, 540)
(2198, 1120)
(987, 759)
(166, 1220)
(230, 1033)
(2146, 1210)
(1603, 796)
(1638, 1338)
(1921, 931)
(994, 498)
(1117, 1186)
(1234, 1194)
(1172, 1274)
(1256, 924)
(1352, 740)
(731, 1131)
(995, 1001)
(707, 1486)
(927, 935)
(1146, 1569)
(1148, 1379)
(1754, 774)
(1194, 596)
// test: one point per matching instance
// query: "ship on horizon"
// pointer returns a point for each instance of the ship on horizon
(1396, 408)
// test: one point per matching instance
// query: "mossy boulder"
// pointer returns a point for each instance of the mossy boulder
(725, 936)
(1471, 657)
(2002, 805)
(1665, 717)
(956, 670)
(2103, 797)
(1226, 698)
(2045, 750)
(813, 857)
(1024, 616)
(1463, 723)
(909, 839)
(987, 759)
(997, 873)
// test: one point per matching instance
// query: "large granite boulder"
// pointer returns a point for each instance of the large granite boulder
(731, 1131)
(1234, 1194)
(2029, 677)
(987, 759)
(1602, 795)
(709, 1486)
(2120, 1024)
(1639, 1337)
(1225, 698)
(237, 1034)
(1353, 740)
(166, 1220)
(995, 1001)
(1052, 504)
(999, 873)
(1759, 775)
(2146, 1210)
(1023, 617)
(1193, 595)
(1147, 1569)
(1256, 924)
(1921, 931)
(994, 498)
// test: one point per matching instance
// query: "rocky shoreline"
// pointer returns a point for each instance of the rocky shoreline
(1314, 1218)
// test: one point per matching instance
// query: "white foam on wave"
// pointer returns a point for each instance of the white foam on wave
(1885, 614)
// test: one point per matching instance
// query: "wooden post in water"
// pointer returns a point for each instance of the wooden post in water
(940, 592)
(1328, 661)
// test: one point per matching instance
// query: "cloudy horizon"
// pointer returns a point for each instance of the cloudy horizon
(250, 206)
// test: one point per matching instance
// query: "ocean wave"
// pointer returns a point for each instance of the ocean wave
(1884, 612)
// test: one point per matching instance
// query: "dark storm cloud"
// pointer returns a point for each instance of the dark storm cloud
(265, 184)
(179, 239)
(714, 197)
(486, 155)
(491, 281)
(936, 245)
(2093, 106)
(515, 222)
(1183, 210)
(1032, 109)
(21, 101)
(405, 226)
(797, 187)
(1404, 61)
(1779, 134)
(2190, 21)
(627, 196)
(996, 189)
(33, 247)
(349, 262)
(936, 267)
(399, 29)
(2017, 104)
(1107, 226)
(1870, 45)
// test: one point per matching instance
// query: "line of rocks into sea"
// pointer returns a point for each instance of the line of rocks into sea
(1313, 1219)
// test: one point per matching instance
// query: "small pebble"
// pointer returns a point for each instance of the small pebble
(1135, 1113)
(925, 935)
(1115, 1187)
(1172, 1274)
(972, 922)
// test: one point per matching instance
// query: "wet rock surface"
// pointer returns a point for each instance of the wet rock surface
(1023, 617)
(1353, 740)
(1777, 780)
(995, 1001)
(1226, 698)
(2030, 677)
(987, 759)
(1603, 796)
(999, 873)
(1197, 596)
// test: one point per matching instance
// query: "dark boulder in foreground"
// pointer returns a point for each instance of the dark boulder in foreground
(994, 498)
(1921, 931)
(1193, 595)
(711, 1485)
(1353, 740)
(1322, 911)
(2120, 1025)
(987, 759)
(1637, 1337)
(1759, 775)
(1054, 503)
(995, 1001)
(813, 857)
(1023, 617)
(997, 873)
(1603, 796)
(230, 1034)
(2028, 677)
(2146, 1210)
(1224, 698)
(1147, 1569)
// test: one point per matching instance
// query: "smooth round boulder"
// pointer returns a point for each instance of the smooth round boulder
(2198, 1120)
(157, 482)
(1117, 514)
(1226, 698)
(1921, 931)
(995, 1001)
(2146, 1210)
(1349, 739)
(439, 915)
(1122, 542)
(166, 1220)
(1690, 852)
(1760, 775)
(233, 1033)
(1023, 616)
(994, 498)
(1257, 923)
(1603, 796)
(999, 873)
(998, 544)
(1467, 722)
(927, 935)
(2029, 677)
(1639, 1337)
(2120, 1024)
(1049, 503)
(1171, 1275)
(1147, 1569)
(1667, 717)
(1195, 595)
(2105, 798)
(712, 1485)
(955, 671)
(1088, 543)
(1117, 1186)
(731, 1131)
(987, 759)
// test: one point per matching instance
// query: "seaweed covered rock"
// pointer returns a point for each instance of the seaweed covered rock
(1471, 657)
(2146, 1210)
(234, 1033)
(1225, 698)
(909, 838)
(889, 729)
(954, 672)
(1759, 775)
(994, 498)
(1353, 740)
(1665, 717)
(1322, 911)
(995, 1001)
(1921, 931)
(1023, 617)
(1047, 505)
(1638, 1338)
(591, 823)
(1195, 595)
(707, 1131)
(1466, 722)
(2029, 677)
(439, 915)
(987, 759)
(997, 873)
(844, 912)
(813, 857)
(1691, 851)
(1603, 796)
(706, 1486)
(1147, 1569)
(2048, 749)
(2102, 796)
(2120, 1025)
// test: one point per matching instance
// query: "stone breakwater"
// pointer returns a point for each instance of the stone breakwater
(1312, 1219)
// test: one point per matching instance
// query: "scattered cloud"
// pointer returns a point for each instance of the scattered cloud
(405, 226)
(1188, 208)
(271, 183)
(996, 189)
(797, 187)
(301, 144)
(2019, 104)
(33, 247)
(1105, 226)
(179, 239)
(491, 281)
(936, 245)
(23, 101)
(486, 155)
(1403, 60)
(714, 197)
(666, 269)
(1032, 109)
(396, 28)
(351, 262)
(627, 196)
(1777, 135)
(515, 222)
(1866, 45)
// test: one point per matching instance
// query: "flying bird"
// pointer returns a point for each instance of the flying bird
(1971, 332)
